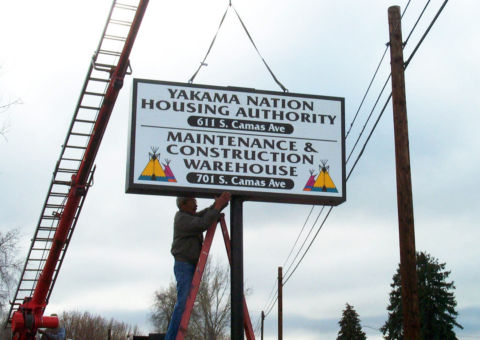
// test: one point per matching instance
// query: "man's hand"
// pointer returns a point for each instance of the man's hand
(222, 201)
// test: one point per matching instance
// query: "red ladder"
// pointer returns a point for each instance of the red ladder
(73, 173)
(197, 277)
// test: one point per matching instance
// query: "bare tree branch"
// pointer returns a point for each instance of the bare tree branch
(5, 107)
(7, 123)
(10, 265)
(89, 326)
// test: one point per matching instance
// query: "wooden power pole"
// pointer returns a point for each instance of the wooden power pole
(408, 272)
(280, 303)
(263, 321)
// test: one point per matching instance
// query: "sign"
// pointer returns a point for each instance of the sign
(188, 139)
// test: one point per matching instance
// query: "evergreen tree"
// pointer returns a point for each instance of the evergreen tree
(436, 302)
(350, 328)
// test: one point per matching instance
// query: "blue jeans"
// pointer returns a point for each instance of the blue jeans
(183, 274)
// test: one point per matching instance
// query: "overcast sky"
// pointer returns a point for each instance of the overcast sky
(120, 252)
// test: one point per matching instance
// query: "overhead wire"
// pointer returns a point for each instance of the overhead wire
(306, 251)
(371, 132)
(366, 93)
(419, 17)
(257, 326)
(425, 34)
(368, 119)
(273, 304)
(375, 125)
(370, 135)
(306, 238)
(374, 76)
(355, 117)
(390, 96)
(301, 231)
(383, 88)
(268, 299)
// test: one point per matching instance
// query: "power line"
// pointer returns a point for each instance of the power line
(273, 289)
(351, 126)
(306, 238)
(376, 71)
(420, 16)
(306, 251)
(368, 119)
(364, 146)
(370, 135)
(425, 34)
(406, 65)
(368, 89)
(266, 314)
(373, 129)
(301, 231)
(386, 82)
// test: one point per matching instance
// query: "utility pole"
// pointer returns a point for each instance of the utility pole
(408, 272)
(280, 304)
(263, 320)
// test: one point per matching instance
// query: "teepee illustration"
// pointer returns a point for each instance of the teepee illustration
(153, 171)
(168, 171)
(310, 182)
(323, 182)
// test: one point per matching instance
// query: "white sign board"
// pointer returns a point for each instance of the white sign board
(199, 140)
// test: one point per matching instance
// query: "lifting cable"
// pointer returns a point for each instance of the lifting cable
(211, 45)
(249, 36)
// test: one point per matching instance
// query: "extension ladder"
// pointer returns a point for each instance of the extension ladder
(113, 48)
(197, 277)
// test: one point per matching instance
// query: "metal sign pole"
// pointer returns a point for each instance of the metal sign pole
(236, 274)
(280, 303)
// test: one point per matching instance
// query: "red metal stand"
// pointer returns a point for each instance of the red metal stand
(198, 277)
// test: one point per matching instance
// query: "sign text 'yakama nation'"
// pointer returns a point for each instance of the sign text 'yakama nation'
(266, 146)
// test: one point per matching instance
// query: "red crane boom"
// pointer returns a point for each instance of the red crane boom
(29, 316)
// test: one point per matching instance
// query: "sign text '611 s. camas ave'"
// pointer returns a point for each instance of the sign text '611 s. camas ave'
(266, 146)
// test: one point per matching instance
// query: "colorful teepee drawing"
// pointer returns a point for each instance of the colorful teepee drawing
(168, 171)
(310, 182)
(154, 171)
(323, 182)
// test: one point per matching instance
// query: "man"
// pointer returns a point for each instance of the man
(54, 333)
(188, 228)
